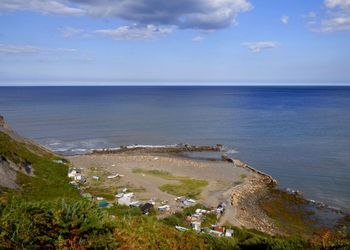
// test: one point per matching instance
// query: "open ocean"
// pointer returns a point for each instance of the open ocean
(299, 135)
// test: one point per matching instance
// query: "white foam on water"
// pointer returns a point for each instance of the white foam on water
(231, 151)
(151, 146)
(61, 149)
(79, 150)
(55, 144)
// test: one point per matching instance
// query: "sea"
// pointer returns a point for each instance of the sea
(300, 135)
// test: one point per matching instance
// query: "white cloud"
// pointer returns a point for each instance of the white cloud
(197, 39)
(70, 32)
(28, 49)
(45, 7)
(260, 45)
(15, 49)
(285, 19)
(336, 17)
(62, 50)
(186, 14)
(338, 22)
(136, 32)
(337, 3)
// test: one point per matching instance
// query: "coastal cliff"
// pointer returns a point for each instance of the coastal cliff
(3, 125)
(30, 170)
(10, 165)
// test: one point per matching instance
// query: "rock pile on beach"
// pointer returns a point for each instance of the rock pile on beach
(245, 198)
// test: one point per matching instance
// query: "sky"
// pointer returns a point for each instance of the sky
(174, 42)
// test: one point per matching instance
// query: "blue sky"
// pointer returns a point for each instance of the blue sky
(183, 41)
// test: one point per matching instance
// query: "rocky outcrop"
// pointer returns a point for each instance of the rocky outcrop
(245, 198)
(8, 167)
(5, 128)
(2, 121)
(7, 174)
(3, 125)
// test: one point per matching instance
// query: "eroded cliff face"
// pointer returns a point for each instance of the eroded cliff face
(3, 125)
(7, 174)
(8, 167)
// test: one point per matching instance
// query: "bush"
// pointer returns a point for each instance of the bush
(55, 225)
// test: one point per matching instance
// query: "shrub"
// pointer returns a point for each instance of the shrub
(55, 225)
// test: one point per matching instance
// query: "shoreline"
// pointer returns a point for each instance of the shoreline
(244, 198)
(176, 149)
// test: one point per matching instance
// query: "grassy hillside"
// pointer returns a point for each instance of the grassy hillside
(50, 179)
(48, 213)
(81, 225)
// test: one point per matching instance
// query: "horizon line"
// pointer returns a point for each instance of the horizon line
(165, 84)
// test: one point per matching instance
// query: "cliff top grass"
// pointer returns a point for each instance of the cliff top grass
(185, 187)
(50, 179)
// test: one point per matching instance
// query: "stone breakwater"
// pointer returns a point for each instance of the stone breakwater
(245, 198)
(178, 148)
(267, 178)
(238, 163)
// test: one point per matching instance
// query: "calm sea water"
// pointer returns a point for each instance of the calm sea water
(300, 135)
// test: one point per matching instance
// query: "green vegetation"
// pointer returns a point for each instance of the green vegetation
(47, 213)
(50, 179)
(243, 176)
(77, 225)
(186, 186)
(288, 212)
(190, 188)
(107, 193)
(179, 218)
(82, 225)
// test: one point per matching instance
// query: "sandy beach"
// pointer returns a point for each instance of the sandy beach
(223, 178)
(251, 196)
